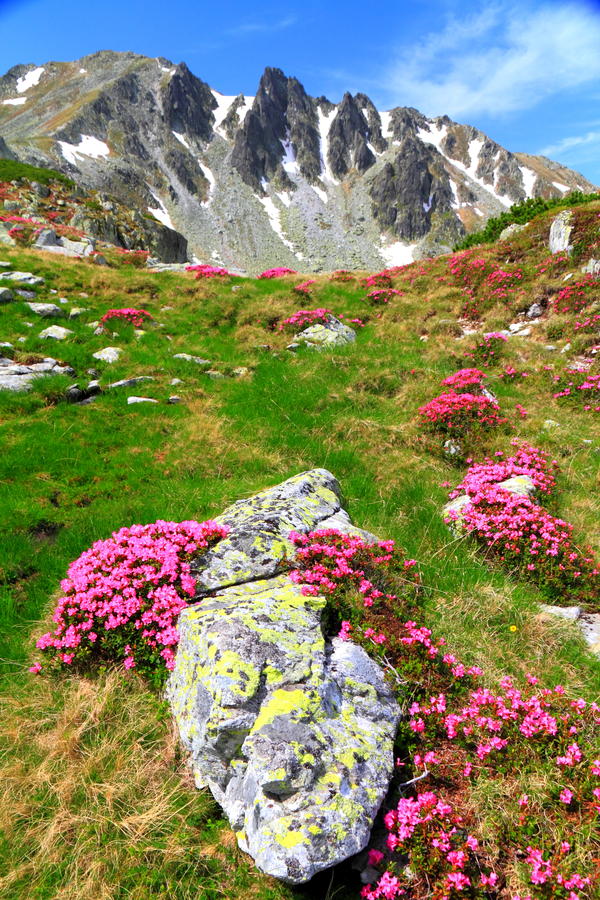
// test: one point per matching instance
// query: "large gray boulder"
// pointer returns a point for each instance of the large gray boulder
(560, 233)
(292, 732)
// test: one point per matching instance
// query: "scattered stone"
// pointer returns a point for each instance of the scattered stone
(4, 264)
(77, 311)
(130, 382)
(16, 377)
(46, 310)
(568, 276)
(55, 333)
(214, 373)
(592, 267)
(519, 329)
(132, 400)
(510, 230)
(292, 733)
(589, 623)
(49, 241)
(452, 449)
(99, 260)
(6, 296)
(550, 347)
(570, 613)
(174, 399)
(240, 371)
(21, 278)
(566, 348)
(534, 311)
(175, 381)
(560, 233)
(108, 354)
(165, 308)
(195, 359)
(26, 295)
(321, 336)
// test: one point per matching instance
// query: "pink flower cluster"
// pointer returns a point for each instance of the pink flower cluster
(277, 273)
(121, 598)
(135, 317)
(454, 413)
(341, 275)
(382, 296)
(583, 387)
(207, 271)
(305, 317)
(488, 349)
(574, 297)
(304, 287)
(378, 280)
(527, 460)
(516, 530)
(328, 560)
(464, 378)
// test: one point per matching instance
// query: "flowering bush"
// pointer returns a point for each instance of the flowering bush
(135, 258)
(488, 350)
(481, 282)
(574, 297)
(304, 287)
(303, 318)
(277, 273)
(381, 296)
(527, 460)
(121, 598)
(341, 275)
(517, 531)
(136, 317)
(378, 280)
(464, 378)
(579, 387)
(454, 413)
(457, 733)
(206, 271)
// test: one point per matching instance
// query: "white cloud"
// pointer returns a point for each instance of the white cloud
(592, 138)
(504, 59)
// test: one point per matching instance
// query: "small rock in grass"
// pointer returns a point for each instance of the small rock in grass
(56, 333)
(534, 311)
(4, 264)
(452, 449)
(189, 358)
(550, 347)
(21, 278)
(214, 373)
(6, 296)
(130, 382)
(46, 310)
(241, 371)
(570, 613)
(133, 400)
(175, 381)
(174, 398)
(108, 354)
(77, 311)
(26, 295)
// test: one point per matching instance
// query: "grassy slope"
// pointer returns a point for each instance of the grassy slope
(97, 803)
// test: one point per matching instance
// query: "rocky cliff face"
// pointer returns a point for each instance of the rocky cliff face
(282, 178)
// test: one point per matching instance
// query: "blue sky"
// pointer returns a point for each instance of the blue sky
(527, 73)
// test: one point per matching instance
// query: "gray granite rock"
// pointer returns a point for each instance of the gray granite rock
(46, 310)
(332, 333)
(131, 401)
(292, 733)
(560, 233)
(108, 354)
(6, 296)
(55, 333)
(195, 359)
(21, 278)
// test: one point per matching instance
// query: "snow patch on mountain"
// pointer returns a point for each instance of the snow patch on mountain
(398, 253)
(87, 146)
(275, 220)
(325, 120)
(30, 79)
(160, 212)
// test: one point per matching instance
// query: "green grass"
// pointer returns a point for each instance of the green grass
(97, 803)
(10, 170)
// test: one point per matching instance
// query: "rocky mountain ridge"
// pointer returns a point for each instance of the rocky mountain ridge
(281, 178)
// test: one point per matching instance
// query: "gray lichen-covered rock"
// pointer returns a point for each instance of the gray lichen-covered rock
(257, 544)
(332, 333)
(560, 233)
(16, 377)
(292, 734)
